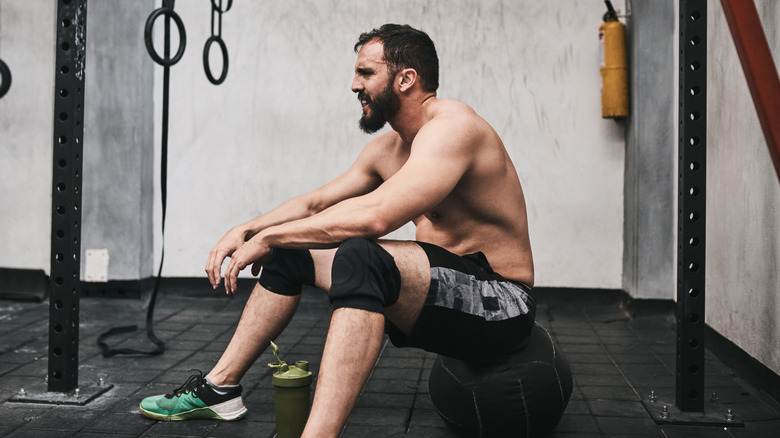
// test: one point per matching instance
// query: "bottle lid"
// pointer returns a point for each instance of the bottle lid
(290, 376)
(293, 376)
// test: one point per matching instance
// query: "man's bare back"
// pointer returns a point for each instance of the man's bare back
(486, 209)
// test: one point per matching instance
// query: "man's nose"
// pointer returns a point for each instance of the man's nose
(357, 86)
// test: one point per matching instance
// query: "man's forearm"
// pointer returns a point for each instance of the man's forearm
(291, 210)
(350, 218)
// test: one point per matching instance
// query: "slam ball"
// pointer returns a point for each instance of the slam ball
(522, 394)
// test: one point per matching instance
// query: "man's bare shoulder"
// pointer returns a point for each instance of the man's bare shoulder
(455, 120)
(451, 108)
(454, 114)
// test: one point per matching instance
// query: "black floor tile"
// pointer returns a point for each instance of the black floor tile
(616, 408)
(612, 357)
(38, 433)
(115, 421)
(381, 416)
(621, 392)
(193, 428)
(700, 432)
(570, 349)
(594, 369)
(610, 380)
(429, 432)
(577, 423)
(578, 358)
(378, 400)
(628, 427)
(362, 431)
(244, 428)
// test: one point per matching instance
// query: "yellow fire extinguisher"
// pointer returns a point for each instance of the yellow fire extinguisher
(614, 68)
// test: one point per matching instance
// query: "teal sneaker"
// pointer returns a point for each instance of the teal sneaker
(195, 399)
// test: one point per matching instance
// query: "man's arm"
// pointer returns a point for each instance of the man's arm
(359, 179)
(441, 153)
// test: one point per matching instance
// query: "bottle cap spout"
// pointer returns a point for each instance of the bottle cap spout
(290, 376)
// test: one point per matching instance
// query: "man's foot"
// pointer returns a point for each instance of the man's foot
(195, 399)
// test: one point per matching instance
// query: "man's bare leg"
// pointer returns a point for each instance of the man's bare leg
(351, 349)
(355, 338)
(265, 315)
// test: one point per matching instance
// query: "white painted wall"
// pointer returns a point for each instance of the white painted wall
(285, 121)
(743, 200)
(26, 46)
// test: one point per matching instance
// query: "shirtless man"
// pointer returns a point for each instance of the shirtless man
(442, 167)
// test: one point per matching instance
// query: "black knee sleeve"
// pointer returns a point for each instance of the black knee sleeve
(364, 276)
(287, 271)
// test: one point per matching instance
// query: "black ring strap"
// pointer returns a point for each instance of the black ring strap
(5, 78)
(166, 62)
(149, 40)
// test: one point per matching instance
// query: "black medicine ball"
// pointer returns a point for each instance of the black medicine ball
(523, 394)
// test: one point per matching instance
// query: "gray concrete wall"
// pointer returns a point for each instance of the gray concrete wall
(743, 200)
(119, 148)
(285, 120)
(651, 150)
(26, 46)
(119, 144)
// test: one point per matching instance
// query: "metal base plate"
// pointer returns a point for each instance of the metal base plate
(77, 397)
(715, 414)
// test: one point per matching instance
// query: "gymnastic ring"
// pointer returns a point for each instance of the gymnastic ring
(207, 66)
(5, 76)
(229, 5)
(150, 44)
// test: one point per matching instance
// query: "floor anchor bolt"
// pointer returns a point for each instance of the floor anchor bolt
(665, 412)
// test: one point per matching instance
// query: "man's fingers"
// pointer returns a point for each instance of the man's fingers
(231, 274)
(214, 266)
(210, 268)
(228, 270)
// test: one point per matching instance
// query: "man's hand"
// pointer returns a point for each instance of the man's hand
(225, 248)
(252, 251)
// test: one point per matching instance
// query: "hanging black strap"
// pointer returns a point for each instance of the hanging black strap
(166, 62)
(5, 72)
(216, 37)
(5, 78)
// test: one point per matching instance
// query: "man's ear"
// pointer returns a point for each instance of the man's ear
(406, 79)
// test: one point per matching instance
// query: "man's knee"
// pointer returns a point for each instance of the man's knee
(287, 271)
(364, 276)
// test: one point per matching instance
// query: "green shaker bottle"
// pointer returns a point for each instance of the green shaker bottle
(291, 398)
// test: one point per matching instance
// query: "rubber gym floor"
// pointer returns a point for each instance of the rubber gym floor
(616, 360)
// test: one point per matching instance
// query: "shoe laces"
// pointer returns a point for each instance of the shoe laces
(194, 382)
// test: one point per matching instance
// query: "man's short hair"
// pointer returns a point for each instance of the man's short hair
(406, 47)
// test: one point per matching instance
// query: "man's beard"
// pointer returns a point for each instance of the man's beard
(383, 107)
